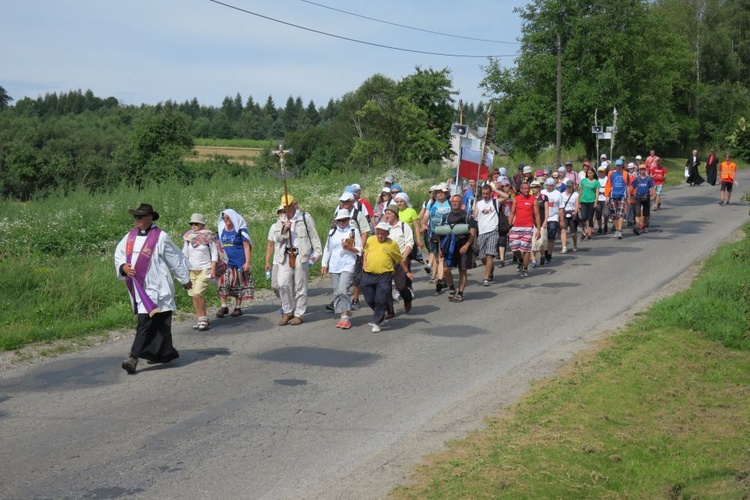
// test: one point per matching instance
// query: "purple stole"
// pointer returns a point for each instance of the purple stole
(135, 284)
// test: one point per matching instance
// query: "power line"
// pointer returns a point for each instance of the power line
(354, 39)
(408, 27)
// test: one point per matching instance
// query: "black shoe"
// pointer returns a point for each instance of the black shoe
(440, 285)
(330, 307)
(606, 229)
(549, 259)
(599, 231)
(541, 261)
(502, 264)
(129, 364)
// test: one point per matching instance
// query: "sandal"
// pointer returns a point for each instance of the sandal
(203, 326)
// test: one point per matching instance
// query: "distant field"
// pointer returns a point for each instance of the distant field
(236, 143)
(235, 154)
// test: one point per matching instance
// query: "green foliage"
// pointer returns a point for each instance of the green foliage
(739, 140)
(606, 46)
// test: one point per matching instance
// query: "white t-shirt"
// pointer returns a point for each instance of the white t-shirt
(603, 183)
(486, 216)
(568, 201)
(553, 198)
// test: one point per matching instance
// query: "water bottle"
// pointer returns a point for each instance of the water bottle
(310, 259)
(268, 275)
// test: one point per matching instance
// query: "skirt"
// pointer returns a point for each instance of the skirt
(237, 283)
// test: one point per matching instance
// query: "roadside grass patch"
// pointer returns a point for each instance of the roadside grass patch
(659, 410)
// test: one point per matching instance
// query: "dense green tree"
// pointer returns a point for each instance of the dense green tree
(609, 62)
(5, 99)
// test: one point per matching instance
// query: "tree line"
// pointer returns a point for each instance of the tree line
(69, 140)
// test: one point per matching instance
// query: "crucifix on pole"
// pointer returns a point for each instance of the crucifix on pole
(285, 174)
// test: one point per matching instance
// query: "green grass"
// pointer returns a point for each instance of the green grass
(660, 410)
(237, 143)
(57, 275)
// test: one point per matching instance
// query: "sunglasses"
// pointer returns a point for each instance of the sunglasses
(139, 217)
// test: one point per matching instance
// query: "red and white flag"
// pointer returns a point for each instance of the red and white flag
(469, 166)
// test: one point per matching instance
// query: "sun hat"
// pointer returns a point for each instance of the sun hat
(384, 226)
(145, 209)
(389, 179)
(346, 197)
(527, 169)
(403, 196)
(386, 190)
(502, 171)
(638, 157)
(602, 168)
(631, 165)
(536, 184)
(342, 213)
(442, 187)
(287, 199)
(550, 182)
(392, 208)
(561, 169)
(603, 156)
(197, 219)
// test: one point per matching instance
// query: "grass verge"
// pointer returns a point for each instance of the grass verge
(659, 410)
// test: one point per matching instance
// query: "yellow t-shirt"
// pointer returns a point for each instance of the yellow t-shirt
(381, 257)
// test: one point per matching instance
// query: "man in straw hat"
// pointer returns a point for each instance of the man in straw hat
(144, 259)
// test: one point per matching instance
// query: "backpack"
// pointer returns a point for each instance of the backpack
(503, 224)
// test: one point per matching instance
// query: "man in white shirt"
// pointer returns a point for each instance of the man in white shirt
(553, 219)
(485, 213)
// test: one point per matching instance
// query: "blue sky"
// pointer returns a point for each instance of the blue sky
(146, 51)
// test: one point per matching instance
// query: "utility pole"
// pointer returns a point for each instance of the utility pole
(559, 102)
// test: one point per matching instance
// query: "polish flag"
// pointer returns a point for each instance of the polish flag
(470, 164)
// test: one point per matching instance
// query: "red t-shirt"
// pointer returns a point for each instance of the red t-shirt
(659, 173)
(524, 211)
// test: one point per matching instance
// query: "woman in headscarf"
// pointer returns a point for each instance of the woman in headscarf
(408, 215)
(238, 281)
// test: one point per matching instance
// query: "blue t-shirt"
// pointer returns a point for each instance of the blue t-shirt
(468, 200)
(232, 243)
(642, 186)
(437, 210)
(618, 185)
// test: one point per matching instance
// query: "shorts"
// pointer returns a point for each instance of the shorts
(357, 274)
(659, 188)
(433, 244)
(727, 186)
(617, 207)
(552, 228)
(571, 222)
(199, 280)
(644, 205)
(539, 244)
(587, 213)
(487, 244)
(520, 239)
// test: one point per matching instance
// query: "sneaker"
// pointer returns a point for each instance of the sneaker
(486, 283)
(619, 235)
(549, 259)
(329, 308)
(564, 250)
(222, 311)
(129, 364)
(432, 281)
(375, 328)
(396, 295)
(452, 292)
(721, 203)
(428, 269)
(195, 326)
(533, 266)
(542, 261)
(606, 229)
(525, 273)
(344, 323)
(355, 304)
(520, 266)
(285, 319)
(502, 264)
(635, 231)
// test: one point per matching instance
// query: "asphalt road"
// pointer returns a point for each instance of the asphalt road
(253, 410)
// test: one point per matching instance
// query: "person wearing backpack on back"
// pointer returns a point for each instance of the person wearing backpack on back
(202, 256)
(617, 196)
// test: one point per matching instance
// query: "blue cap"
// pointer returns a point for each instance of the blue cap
(396, 186)
(618, 162)
(350, 189)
